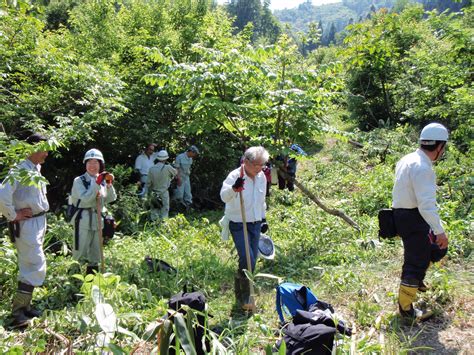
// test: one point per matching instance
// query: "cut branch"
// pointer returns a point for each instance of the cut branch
(316, 200)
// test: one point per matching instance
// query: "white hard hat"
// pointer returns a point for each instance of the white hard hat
(93, 154)
(432, 133)
(266, 248)
(162, 155)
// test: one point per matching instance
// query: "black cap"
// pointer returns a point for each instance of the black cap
(36, 138)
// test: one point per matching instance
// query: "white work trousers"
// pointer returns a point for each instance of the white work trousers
(183, 193)
(31, 259)
(143, 179)
(88, 250)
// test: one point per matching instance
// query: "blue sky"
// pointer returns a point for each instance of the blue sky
(281, 4)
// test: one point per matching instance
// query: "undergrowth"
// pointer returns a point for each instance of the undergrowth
(351, 269)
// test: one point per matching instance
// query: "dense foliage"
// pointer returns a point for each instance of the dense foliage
(404, 67)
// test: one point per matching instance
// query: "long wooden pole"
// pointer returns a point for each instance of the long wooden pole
(247, 251)
(253, 308)
(101, 237)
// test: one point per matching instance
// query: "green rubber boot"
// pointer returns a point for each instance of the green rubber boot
(21, 302)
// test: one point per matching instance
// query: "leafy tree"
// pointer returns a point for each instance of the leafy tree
(372, 50)
(245, 91)
(407, 68)
(331, 35)
(251, 11)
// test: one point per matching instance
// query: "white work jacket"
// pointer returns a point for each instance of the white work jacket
(253, 194)
(17, 196)
(415, 187)
(143, 163)
(88, 197)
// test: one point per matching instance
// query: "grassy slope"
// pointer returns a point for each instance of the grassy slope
(351, 270)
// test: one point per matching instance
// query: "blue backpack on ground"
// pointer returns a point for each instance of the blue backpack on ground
(291, 297)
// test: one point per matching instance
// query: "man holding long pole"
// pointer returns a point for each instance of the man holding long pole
(243, 192)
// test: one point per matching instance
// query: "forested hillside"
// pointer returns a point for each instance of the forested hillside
(333, 18)
(117, 75)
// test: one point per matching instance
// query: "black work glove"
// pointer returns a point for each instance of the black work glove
(238, 184)
(264, 226)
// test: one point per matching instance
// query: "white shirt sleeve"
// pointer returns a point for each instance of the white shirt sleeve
(227, 193)
(424, 185)
(6, 200)
(137, 163)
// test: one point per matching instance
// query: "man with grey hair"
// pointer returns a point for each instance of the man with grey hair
(249, 180)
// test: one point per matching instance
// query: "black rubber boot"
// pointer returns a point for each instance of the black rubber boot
(245, 301)
(32, 312)
(20, 320)
(237, 290)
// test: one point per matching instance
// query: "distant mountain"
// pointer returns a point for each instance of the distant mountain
(339, 15)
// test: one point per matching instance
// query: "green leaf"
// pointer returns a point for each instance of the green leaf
(166, 330)
(106, 317)
(116, 350)
(183, 334)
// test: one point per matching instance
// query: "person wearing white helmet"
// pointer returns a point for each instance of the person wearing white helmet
(416, 216)
(24, 206)
(159, 179)
(183, 163)
(89, 190)
(143, 163)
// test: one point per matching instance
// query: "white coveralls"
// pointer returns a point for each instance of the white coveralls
(143, 163)
(183, 193)
(31, 259)
(159, 178)
(86, 248)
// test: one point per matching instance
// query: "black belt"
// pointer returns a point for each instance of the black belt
(14, 226)
(405, 209)
(247, 222)
(42, 213)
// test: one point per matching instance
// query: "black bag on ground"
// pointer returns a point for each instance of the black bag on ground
(321, 317)
(313, 331)
(387, 224)
(157, 265)
(195, 300)
(315, 339)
